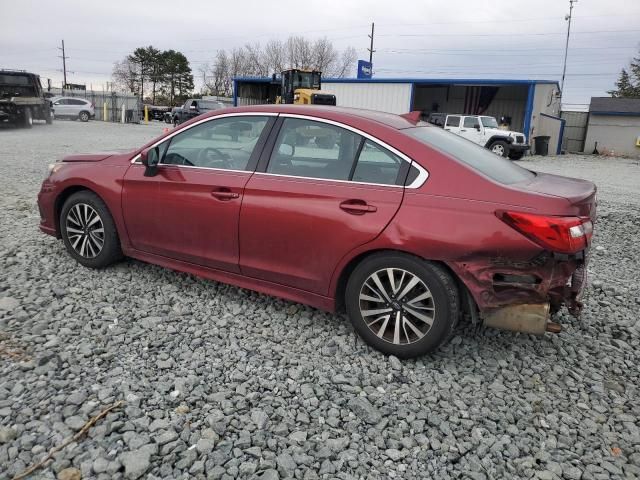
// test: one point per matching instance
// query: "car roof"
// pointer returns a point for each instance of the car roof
(329, 112)
(72, 98)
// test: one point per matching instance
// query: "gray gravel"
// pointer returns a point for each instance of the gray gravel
(225, 383)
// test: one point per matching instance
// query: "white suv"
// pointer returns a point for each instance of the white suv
(75, 108)
(484, 131)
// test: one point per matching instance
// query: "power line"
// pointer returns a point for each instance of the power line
(501, 34)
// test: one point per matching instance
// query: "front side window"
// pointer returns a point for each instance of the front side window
(471, 122)
(489, 122)
(225, 143)
(305, 148)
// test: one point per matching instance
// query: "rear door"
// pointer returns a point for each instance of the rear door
(452, 124)
(320, 191)
(189, 211)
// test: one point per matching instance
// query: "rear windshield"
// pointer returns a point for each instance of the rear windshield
(15, 80)
(480, 159)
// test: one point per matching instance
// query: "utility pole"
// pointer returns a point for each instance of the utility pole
(566, 47)
(64, 65)
(371, 50)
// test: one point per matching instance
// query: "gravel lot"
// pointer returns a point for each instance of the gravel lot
(221, 382)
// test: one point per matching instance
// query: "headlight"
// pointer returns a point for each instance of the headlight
(53, 168)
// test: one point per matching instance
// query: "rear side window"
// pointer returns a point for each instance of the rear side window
(453, 121)
(377, 165)
(305, 148)
(74, 101)
(480, 159)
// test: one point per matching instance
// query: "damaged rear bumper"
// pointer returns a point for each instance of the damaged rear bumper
(522, 296)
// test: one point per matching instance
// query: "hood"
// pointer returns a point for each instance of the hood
(499, 131)
(88, 157)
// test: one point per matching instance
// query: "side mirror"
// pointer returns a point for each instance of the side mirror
(286, 150)
(477, 126)
(150, 159)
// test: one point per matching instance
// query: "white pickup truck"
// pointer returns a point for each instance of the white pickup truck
(484, 131)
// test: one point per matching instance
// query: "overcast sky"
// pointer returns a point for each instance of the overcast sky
(427, 38)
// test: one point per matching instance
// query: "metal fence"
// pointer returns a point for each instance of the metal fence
(575, 131)
(108, 105)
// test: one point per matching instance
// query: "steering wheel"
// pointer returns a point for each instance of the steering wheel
(205, 156)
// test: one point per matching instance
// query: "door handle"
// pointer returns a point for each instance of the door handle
(463, 129)
(224, 194)
(357, 207)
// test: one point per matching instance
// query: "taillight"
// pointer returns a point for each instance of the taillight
(558, 234)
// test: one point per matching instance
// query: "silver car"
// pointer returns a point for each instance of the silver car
(75, 108)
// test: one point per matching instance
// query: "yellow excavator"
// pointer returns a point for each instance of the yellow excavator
(302, 87)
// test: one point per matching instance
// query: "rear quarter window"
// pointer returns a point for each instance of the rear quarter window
(478, 158)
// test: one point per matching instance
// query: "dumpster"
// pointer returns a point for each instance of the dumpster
(542, 144)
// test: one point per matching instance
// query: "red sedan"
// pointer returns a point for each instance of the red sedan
(405, 226)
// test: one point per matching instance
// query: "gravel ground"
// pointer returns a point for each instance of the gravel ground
(221, 382)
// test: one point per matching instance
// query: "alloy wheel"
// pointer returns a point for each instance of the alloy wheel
(85, 230)
(498, 149)
(397, 306)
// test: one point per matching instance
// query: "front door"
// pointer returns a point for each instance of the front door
(472, 130)
(322, 192)
(189, 211)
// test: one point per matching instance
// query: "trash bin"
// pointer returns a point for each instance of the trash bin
(542, 145)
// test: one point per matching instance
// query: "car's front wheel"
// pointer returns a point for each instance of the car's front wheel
(88, 230)
(402, 305)
(500, 148)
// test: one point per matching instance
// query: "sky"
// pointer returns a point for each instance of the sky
(508, 39)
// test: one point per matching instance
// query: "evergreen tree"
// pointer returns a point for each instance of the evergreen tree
(628, 84)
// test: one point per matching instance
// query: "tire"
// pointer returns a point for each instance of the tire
(85, 248)
(83, 116)
(49, 117)
(27, 119)
(175, 122)
(438, 301)
(516, 155)
(500, 148)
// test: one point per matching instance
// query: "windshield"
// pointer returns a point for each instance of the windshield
(480, 159)
(489, 122)
(306, 80)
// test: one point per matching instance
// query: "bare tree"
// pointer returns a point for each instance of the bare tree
(345, 63)
(299, 52)
(125, 75)
(324, 55)
(275, 56)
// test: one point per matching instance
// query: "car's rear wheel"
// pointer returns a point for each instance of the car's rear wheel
(88, 230)
(516, 155)
(402, 305)
(500, 148)
(27, 119)
(84, 116)
(175, 122)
